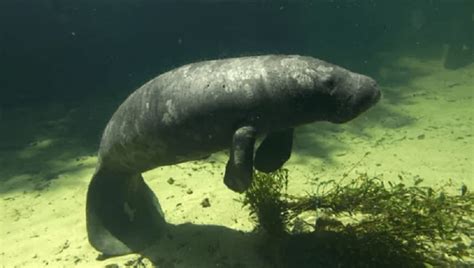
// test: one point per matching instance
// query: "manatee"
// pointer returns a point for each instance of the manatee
(201, 108)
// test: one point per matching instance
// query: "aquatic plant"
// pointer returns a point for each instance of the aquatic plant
(366, 221)
(266, 199)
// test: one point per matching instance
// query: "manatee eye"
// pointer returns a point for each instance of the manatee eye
(330, 82)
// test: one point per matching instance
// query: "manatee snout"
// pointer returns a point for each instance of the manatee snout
(366, 95)
(356, 95)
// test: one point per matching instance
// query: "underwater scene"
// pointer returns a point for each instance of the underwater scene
(236, 133)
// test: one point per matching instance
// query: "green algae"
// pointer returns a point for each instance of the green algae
(363, 221)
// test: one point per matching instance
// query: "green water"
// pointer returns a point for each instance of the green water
(65, 67)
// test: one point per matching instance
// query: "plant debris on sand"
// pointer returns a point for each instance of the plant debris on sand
(364, 222)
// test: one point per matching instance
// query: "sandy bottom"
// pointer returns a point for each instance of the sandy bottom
(422, 127)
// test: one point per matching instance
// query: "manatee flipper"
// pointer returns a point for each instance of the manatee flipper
(239, 168)
(123, 215)
(274, 151)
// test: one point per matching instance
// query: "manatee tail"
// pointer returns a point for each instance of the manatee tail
(123, 215)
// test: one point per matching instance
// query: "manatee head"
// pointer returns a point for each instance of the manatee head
(352, 94)
(338, 95)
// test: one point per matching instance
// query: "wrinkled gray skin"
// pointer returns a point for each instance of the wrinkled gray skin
(193, 111)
